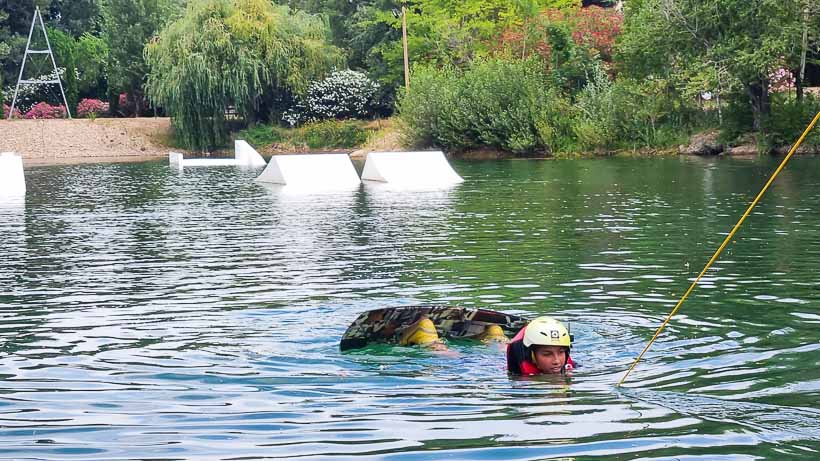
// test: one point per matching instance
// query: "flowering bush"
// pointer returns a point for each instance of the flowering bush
(7, 108)
(30, 93)
(91, 108)
(45, 110)
(343, 94)
(781, 80)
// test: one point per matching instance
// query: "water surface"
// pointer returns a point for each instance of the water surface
(147, 314)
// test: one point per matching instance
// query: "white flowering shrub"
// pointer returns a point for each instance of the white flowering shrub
(343, 94)
(30, 94)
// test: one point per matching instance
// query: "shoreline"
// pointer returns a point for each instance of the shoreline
(95, 159)
(125, 140)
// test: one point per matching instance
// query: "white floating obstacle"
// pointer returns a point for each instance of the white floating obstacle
(12, 179)
(247, 155)
(427, 169)
(311, 171)
(244, 155)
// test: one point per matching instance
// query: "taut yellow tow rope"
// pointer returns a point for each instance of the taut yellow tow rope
(723, 245)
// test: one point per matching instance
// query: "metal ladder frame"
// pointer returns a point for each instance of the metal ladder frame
(53, 63)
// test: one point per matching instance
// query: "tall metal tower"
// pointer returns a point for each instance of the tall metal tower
(29, 51)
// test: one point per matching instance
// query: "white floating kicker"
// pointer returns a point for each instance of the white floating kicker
(244, 155)
(311, 171)
(12, 179)
(410, 168)
(247, 155)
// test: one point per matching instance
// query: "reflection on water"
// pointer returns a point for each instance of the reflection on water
(151, 315)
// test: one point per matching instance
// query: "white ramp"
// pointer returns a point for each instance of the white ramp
(244, 155)
(410, 169)
(311, 171)
(247, 155)
(12, 179)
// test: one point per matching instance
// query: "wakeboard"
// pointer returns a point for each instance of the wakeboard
(387, 325)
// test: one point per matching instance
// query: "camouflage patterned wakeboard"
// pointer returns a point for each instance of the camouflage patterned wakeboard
(387, 325)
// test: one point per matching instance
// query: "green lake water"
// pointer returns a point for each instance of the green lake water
(147, 314)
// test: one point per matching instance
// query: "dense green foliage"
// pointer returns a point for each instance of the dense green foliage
(514, 107)
(127, 26)
(496, 103)
(248, 54)
(63, 46)
(328, 134)
(788, 119)
(730, 47)
(331, 134)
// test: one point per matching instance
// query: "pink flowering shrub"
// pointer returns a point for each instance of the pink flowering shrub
(45, 110)
(7, 108)
(91, 108)
(781, 80)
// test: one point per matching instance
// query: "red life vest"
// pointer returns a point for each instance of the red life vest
(520, 363)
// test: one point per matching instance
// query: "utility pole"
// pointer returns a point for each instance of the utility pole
(404, 44)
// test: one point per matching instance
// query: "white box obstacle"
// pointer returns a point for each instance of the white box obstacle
(244, 155)
(311, 171)
(12, 179)
(410, 169)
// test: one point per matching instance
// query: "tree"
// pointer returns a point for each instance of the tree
(91, 57)
(15, 22)
(76, 17)
(740, 43)
(809, 41)
(128, 25)
(242, 53)
(63, 46)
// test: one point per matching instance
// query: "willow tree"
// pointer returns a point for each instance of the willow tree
(238, 53)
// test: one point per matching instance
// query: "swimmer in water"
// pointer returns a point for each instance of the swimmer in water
(542, 347)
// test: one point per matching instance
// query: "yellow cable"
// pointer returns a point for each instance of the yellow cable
(723, 245)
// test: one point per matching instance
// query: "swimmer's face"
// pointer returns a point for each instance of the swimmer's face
(549, 359)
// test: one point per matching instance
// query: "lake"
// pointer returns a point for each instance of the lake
(153, 315)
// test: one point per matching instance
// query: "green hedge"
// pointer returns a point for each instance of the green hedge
(501, 104)
(512, 105)
(627, 113)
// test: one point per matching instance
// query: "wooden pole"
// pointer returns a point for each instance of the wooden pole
(404, 44)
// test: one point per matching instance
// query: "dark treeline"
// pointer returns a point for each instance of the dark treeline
(523, 76)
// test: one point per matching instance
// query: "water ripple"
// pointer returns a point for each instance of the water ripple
(147, 314)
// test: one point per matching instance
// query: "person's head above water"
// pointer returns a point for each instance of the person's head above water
(542, 347)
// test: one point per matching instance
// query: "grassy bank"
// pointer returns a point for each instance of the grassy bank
(319, 136)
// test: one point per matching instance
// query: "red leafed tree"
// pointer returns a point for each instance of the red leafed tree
(593, 27)
(597, 28)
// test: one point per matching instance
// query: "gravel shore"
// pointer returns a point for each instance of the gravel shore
(85, 140)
